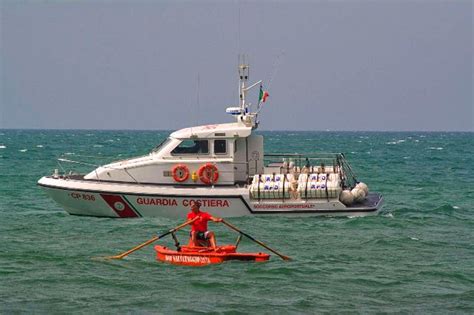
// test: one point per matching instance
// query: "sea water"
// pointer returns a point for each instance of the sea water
(416, 256)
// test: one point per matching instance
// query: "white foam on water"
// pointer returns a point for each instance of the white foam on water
(97, 145)
(23, 150)
(69, 153)
(396, 142)
(110, 140)
(414, 238)
(456, 207)
(3, 146)
(435, 148)
(39, 146)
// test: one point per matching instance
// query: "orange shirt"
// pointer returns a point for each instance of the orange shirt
(200, 225)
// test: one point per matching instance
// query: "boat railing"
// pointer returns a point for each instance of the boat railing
(311, 163)
(72, 168)
(75, 165)
(278, 163)
(81, 164)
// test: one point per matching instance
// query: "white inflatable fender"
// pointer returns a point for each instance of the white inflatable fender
(358, 194)
(346, 197)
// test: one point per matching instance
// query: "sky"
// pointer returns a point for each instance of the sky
(164, 65)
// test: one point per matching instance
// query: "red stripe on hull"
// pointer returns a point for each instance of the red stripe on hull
(119, 205)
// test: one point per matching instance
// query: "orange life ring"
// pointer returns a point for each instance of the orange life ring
(208, 173)
(180, 173)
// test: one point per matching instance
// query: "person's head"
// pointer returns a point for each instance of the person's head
(196, 206)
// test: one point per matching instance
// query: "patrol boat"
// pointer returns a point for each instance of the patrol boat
(224, 167)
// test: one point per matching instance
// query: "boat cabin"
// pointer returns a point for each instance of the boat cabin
(221, 154)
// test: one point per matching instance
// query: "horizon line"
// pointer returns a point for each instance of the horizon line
(267, 130)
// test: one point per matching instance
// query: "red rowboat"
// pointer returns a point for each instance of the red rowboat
(201, 256)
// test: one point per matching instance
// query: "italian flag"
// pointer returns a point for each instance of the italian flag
(263, 95)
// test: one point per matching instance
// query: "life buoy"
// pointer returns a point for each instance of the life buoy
(180, 173)
(208, 173)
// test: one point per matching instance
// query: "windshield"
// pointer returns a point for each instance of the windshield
(192, 147)
(161, 145)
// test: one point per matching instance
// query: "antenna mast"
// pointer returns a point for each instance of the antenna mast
(243, 78)
(241, 112)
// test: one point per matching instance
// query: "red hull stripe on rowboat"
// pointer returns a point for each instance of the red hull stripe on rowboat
(120, 206)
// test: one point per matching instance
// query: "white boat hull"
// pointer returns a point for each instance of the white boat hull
(122, 200)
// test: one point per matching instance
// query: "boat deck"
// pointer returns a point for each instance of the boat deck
(371, 201)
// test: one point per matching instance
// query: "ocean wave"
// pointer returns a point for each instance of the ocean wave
(396, 142)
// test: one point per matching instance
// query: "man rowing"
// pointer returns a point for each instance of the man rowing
(199, 230)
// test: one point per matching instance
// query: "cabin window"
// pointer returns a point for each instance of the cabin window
(192, 147)
(220, 146)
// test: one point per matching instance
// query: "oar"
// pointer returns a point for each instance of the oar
(256, 241)
(154, 239)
